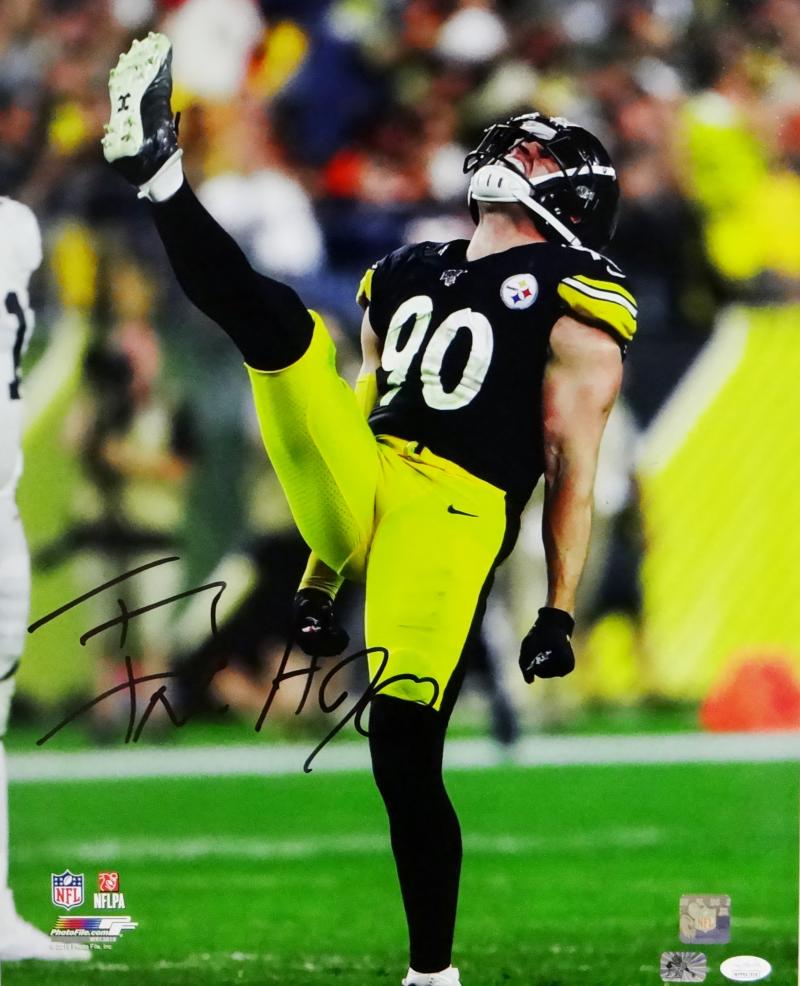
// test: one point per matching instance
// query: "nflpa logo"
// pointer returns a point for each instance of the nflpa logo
(108, 882)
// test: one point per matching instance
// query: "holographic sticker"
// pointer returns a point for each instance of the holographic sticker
(683, 967)
(705, 919)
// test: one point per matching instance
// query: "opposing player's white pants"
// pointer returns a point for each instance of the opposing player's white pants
(15, 591)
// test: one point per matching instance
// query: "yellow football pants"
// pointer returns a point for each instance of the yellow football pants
(423, 532)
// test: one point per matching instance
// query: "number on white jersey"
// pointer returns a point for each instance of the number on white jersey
(14, 308)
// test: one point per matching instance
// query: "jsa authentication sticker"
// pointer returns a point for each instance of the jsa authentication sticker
(705, 919)
(745, 968)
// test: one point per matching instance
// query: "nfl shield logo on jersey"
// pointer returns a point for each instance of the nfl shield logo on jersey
(67, 889)
(519, 291)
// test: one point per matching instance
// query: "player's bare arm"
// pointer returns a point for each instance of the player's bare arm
(582, 378)
(370, 353)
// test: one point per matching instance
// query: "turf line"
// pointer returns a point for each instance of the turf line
(463, 754)
(192, 848)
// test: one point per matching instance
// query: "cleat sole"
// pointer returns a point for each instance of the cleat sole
(127, 84)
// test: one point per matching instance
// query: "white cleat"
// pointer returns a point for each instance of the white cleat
(448, 977)
(20, 940)
(140, 134)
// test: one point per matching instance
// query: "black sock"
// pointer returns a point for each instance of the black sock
(406, 742)
(266, 319)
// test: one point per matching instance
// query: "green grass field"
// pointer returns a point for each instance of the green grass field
(572, 875)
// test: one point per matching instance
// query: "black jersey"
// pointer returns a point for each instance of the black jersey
(465, 345)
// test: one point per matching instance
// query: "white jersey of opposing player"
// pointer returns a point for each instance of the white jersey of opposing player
(20, 255)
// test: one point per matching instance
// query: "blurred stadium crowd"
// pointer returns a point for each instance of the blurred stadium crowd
(324, 134)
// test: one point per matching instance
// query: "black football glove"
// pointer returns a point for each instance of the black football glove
(546, 651)
(316, 629)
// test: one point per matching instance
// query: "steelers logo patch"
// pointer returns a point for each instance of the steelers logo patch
(519, 291)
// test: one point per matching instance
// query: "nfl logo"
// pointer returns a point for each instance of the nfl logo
(108, 882)
(67, 889)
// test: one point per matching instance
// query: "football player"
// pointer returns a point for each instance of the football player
(486, 364)
(20, 255)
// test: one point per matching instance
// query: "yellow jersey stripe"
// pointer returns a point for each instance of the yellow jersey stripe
(606, 286)
(364, 293)
(608, 310)
(601, 294)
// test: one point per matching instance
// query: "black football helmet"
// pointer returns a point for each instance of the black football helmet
(576, 204)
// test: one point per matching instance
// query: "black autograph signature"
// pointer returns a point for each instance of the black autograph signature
(328, 702)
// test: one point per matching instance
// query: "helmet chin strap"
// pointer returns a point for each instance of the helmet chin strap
(549, 218)
(498, 183)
